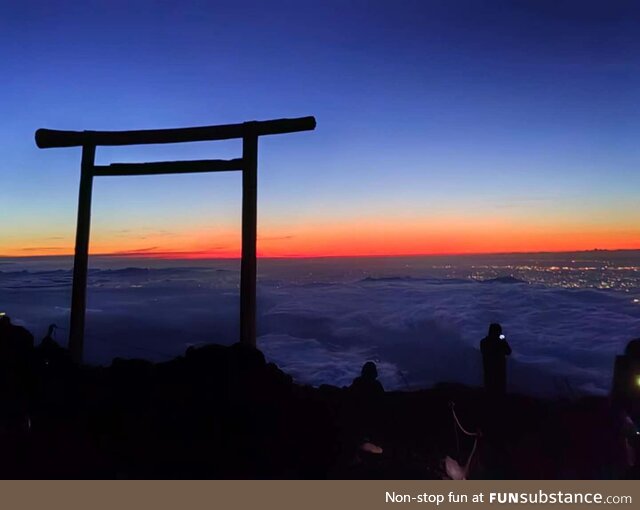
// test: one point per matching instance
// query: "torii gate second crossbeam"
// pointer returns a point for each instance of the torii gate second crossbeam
(248, 164)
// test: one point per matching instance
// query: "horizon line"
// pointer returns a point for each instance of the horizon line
(189, 256)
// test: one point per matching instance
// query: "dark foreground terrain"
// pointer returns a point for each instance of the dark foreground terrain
(223, 412)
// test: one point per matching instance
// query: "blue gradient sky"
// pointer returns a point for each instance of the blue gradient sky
(442, 126)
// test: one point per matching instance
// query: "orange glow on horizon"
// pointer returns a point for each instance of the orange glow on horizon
(359, 238)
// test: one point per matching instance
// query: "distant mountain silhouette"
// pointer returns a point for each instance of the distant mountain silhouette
(503, 279)
(400, 279)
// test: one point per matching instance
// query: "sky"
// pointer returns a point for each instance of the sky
(442, 126)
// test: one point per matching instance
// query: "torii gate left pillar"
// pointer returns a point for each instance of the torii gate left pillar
(248, 164)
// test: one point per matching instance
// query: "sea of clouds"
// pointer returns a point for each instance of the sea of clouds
(420, 330)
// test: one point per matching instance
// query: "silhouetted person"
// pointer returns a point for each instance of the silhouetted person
(48, 340)
(363, 407)
(16, 345)
(495, 350)
(50, 350)
(15, 336)
(367, 384)
(626, 380)
(16, 353)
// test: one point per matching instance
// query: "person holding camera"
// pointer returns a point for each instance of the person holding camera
(495, 349)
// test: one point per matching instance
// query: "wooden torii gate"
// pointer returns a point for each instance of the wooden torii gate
(248, 164)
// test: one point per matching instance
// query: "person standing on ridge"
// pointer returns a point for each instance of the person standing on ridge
(367, 384)
(495, 350)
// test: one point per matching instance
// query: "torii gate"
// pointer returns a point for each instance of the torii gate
(248, 164)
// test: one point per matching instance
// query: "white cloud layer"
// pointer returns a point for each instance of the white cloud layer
(420, 330)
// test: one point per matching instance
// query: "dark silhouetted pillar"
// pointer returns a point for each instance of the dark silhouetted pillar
(249, 233)
(80, 262)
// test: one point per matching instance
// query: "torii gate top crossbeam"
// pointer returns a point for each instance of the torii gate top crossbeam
(48, 138)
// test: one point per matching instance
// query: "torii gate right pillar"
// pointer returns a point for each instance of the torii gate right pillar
(248, 263)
